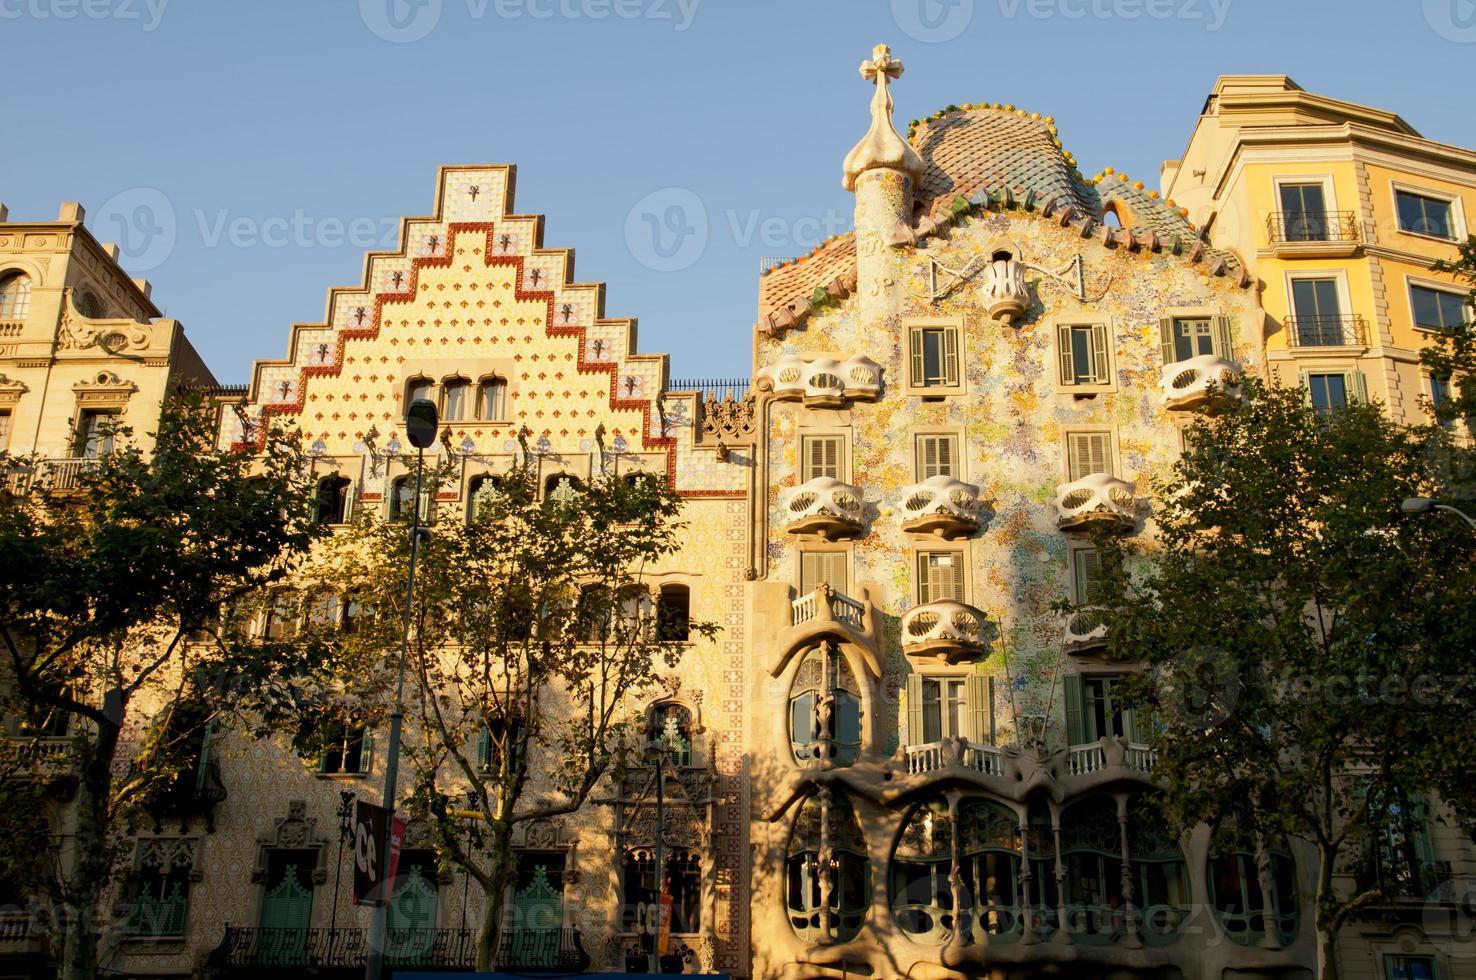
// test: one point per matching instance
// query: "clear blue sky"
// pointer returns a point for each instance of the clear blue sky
(241, 141)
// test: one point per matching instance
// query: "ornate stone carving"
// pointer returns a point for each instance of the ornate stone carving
(728, 420)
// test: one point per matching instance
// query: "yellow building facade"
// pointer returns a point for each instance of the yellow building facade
(903, 759)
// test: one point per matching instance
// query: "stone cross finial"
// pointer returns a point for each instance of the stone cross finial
(882, 66)
(882, 147)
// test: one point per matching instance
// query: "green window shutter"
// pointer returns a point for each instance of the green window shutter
(201, 767)
(366, 753)
(914, 709)
(484, 749)
(1129, 718)
(1357, 385)
(1063, 347)
(1086, 568)
(1071, 689)
(981, 706)
(1166, 339)
(1419, 819)
(1224, 346)
(323, 760)
(950, 356)
(1101, 362)
(918, 364)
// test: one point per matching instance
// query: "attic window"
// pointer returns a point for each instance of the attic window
(1110, 218)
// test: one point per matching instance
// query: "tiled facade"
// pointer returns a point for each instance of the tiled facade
(905, 760)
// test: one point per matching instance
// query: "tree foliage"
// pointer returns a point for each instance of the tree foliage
(1452, 355)
(1306, 645)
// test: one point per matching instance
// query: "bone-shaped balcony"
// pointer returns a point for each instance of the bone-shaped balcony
(942, 506)
(1084, 631)
(1098, 497)
(1198, 382)
(822, 382)
(945, 630)
(823, 506)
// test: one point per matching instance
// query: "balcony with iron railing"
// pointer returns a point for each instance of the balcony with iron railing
(62, 475)
(1308, 234)
(1326, 331)
(1404, 880)
(264, 952)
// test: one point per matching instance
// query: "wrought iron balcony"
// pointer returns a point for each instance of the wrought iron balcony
(823, 506)
(257, 952)
(1098, 497)
(822, 382)
(1085, 631)
(61, 475)
(1404, 880)
(1199, 381)
(194, 792)
(1326, 331)
(942, 506)
(1313, 231)
(944, 630)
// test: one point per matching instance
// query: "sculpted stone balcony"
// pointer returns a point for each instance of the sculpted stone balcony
(942, 506)
(822, 382)
(945, 630)
(1084, 631)
(826, 613)
(1098, 497)
(1200, 382)
(938, 756)
(825, 507)
(1109, 753)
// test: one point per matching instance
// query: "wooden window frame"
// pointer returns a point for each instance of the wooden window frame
(843, 454)
(1104, 329)
(1077, 591)
(1113, 456)
(918, 564)
(799, 570)
(958, 470)
(1222, 335)
(911, 354)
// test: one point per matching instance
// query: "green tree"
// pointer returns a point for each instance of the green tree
(112, 585)
(1452, 356)
(534, 637)
(1306, 646)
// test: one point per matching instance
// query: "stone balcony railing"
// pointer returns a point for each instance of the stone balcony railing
(1084, 760)
(823, 506)
(1199, 382)
(826, 603)
(822, 382)
(1015, 771)
(1094, 498)
(941, 505)
(1084, 631)
(944, 630)
(936, 756)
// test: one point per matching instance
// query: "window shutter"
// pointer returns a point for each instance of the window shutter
(831, 450)
(1101, 363)
(366, 753)
(1306, 387)
(1086, 453)
(981, 709)
(1129, 722)
(1419, 819)
(950, 356)
(484, 749)
(945, 463)
(1063, 347)
(201, 766)
(918, 364)
(927, 457)
(1071, 689)
(1224, 347)
(1357, 384)
(914, 709)
(1087, 569)
(836, 570)
(1166, 339)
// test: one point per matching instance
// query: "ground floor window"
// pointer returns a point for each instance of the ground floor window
(682, 880)
(827, 841)
(1410, 968)
(161, 896)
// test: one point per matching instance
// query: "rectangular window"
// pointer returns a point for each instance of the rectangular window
(1103, 712)
(945, 708)
(934, 357)
(1410, 968)
(1086, 576)
(936, 456)
(1318, 309)
(1184, 337)
(940, 576)
(95, 433)
(1438, 309)
(950, 707)
(494, 400)
(1087, 453)
(823, 566)
(1084, 355)
(1330, 392)
(347, 750)
(822, 456)
(1424, 215)
(1304, 210)
(4, 430)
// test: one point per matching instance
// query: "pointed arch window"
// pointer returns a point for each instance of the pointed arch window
(331, 504)
(455, 395)
(492, 400)
(671, 723)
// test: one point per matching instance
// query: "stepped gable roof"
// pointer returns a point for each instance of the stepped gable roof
(998, 157)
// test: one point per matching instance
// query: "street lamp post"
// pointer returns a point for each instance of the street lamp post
(345, 814)
(656, 752)
(420, 428)
(1423, 505)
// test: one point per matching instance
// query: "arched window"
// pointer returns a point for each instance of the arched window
(989, 861)
(1236, 892)
(478, 489)
(825, 709)
(1044, 897)
(1091, 843)
(354, 614)
(85, 302)
(673, 613)
(683, 881)
(1160, 879)
(840, 852)
(922, 898)
(417, 389)
(402, 499)
(280, 619)
(324, 610)
(454, 393)
(15, 296)
(561, 487)
(671, 723)
(492, 400)
(331, 503)
(593, 613)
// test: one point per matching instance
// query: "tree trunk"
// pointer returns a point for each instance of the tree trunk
(88, 874)
(493, 894)
(1327, 917)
